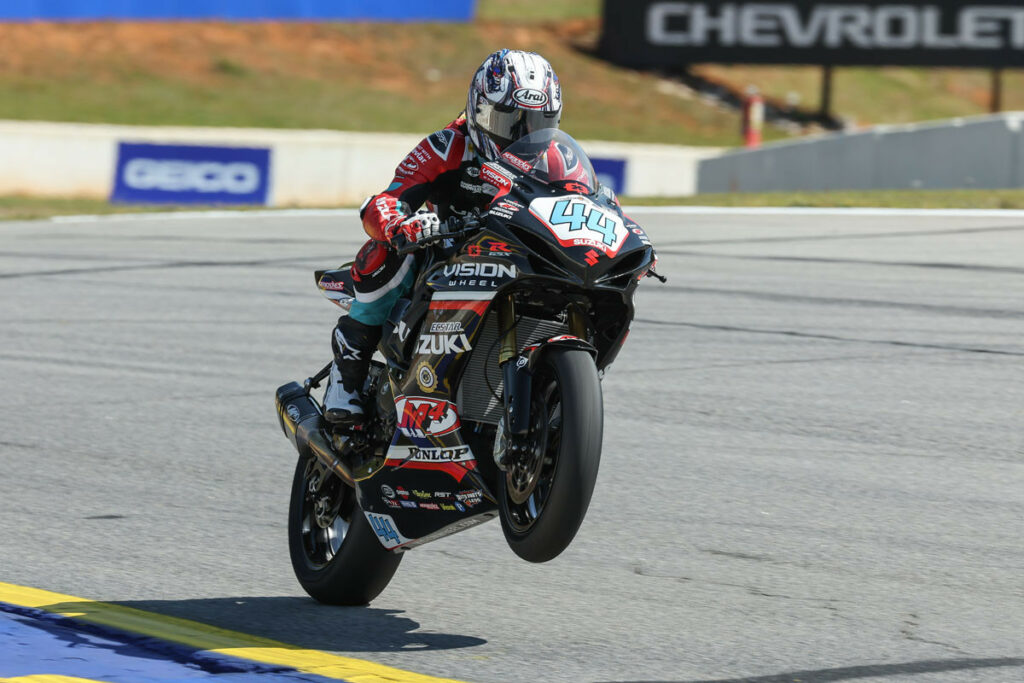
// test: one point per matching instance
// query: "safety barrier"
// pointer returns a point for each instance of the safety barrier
(273, 167)
(978, 152)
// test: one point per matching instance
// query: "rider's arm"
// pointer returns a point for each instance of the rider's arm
(438, 154)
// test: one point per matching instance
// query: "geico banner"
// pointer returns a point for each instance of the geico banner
(393, 10)
(191, 174)
(660, 33)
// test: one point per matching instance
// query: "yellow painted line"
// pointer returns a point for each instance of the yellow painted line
(204, 637)
(48, 678)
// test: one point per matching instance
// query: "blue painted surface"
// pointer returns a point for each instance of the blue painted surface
(191, 174)
(391, 10)
(611, 173)
(33, 642)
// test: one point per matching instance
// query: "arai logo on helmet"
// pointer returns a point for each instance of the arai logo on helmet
(530, 98)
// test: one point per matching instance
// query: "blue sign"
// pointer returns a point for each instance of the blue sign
(392, 10)
(611, 173)
(191, 174)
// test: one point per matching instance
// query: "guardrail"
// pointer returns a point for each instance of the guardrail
(979, 152)
(273, 167)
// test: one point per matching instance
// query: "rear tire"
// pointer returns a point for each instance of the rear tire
(543, 505)
(335, 554)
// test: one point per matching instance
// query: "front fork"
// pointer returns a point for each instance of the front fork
(518, 377)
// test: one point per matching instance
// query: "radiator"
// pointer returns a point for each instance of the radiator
(474, 397)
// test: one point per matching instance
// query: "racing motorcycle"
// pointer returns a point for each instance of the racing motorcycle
(488, 401)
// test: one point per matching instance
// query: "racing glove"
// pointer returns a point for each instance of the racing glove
(420, 229)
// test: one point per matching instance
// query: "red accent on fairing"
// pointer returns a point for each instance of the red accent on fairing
(456, 470)
(478, 307)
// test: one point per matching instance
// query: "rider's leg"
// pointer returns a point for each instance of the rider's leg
(381, 277)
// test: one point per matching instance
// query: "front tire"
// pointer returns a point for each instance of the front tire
(543, 497)
(335, 554)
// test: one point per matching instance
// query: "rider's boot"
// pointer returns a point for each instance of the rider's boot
(353, 346)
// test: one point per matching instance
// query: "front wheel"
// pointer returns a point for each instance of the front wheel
(335, 554)
(545, 492)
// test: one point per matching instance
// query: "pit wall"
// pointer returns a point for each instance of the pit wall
(979, 152)
(307, 168)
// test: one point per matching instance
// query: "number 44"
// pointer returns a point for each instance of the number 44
(577, 216)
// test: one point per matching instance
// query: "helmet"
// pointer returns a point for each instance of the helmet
(513, 93)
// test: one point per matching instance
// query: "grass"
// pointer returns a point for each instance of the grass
(538, 10)
(26, 208)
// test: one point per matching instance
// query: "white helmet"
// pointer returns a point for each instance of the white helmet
(513, 93)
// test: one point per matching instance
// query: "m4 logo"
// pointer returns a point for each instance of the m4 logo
(419, 417)
(579, 222)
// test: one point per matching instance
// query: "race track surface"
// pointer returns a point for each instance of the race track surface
(813, 461)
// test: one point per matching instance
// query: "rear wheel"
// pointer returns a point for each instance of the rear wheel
(335, 554)
(545, 492)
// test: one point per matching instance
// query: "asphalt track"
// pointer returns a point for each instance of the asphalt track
(813, 466)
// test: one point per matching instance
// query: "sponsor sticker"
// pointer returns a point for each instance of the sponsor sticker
(443, 344)
(426, 378)
(408, 503)
(419, 417)
(191, 174)
(484, 270)
(496, 177)
(402, 492)
(387, 491)
(447, 507)
(515, 161)
(470, 498)
(421, 494)
(455, 326)
(429, 506)
(391, 503)
(416, 454)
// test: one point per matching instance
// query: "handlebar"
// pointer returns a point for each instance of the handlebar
(454, 228)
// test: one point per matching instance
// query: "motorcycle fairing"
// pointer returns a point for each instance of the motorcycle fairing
(337, 285)
(428, 449)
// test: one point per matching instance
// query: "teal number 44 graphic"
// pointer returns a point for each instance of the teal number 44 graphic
(581, 222)
(577, 216)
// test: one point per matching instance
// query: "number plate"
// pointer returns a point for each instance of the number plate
(579, 222)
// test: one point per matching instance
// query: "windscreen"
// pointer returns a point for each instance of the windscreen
(553, 157)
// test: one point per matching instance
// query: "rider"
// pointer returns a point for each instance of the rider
(512, 94)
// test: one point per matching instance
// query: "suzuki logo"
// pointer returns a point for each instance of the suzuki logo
(592, 257)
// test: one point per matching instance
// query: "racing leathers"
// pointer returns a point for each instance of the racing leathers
(442, 171)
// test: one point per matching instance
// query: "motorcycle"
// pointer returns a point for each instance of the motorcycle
(488, 402)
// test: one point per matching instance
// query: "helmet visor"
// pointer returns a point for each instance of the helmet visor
(505, 124)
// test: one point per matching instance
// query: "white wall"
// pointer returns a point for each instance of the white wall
(978, 152)
(309, 168)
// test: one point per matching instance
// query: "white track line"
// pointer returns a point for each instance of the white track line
(631, 210)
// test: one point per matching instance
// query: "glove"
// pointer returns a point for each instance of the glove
(420, 229)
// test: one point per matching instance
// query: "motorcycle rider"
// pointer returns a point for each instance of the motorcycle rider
(512, 94)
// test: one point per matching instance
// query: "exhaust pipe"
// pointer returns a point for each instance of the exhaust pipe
(303, 424)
